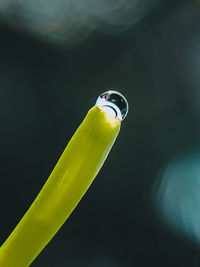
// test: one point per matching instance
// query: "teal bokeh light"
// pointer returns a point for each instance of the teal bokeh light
(178, 195)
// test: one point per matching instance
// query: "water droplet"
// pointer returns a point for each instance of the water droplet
(114, 104)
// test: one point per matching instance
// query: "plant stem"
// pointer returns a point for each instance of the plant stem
(68, 182)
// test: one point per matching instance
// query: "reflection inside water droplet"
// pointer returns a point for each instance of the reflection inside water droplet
(114, 104)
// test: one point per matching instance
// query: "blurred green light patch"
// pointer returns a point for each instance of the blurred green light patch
(177, 195)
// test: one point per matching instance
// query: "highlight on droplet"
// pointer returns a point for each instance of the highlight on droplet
(114, 104)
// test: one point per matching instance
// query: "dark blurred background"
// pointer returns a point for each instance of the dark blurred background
(56, 57)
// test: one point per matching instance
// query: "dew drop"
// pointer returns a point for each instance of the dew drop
(114, 104)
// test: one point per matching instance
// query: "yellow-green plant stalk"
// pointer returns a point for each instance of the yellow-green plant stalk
(71, 177)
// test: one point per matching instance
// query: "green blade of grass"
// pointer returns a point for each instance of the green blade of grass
(68, 182)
